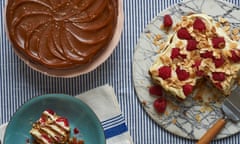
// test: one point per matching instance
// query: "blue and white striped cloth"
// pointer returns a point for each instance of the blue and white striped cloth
(103, 102)
(114, 126)
(19, 83)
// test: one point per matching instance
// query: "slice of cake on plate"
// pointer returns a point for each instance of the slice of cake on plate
(51, 129)
(199, 48)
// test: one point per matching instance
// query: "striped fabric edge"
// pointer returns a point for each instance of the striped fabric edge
(114, 126)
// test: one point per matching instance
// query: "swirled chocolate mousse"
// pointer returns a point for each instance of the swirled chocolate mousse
(61, 34)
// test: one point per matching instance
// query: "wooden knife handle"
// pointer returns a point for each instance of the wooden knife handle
(212, 132)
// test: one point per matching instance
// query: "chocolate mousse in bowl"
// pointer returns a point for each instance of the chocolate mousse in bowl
(64, 38)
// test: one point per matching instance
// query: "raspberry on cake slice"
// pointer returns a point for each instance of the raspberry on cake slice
(51, 128)
(198, 49)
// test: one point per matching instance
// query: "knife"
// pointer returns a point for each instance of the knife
(231, 110)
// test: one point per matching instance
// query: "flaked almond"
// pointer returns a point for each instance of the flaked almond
(184, 18)
(226, 28)
(165, 60)
(227, 53)
(148, 35)
(179, 44)
(226, 23)
(162, 46)
(203, 45)
(235, 37)
(157, 37)
(184, 24)
(218, 24)
(235, 31)
(233, 45)
(154, 72)
(156, 43)
(222, 20)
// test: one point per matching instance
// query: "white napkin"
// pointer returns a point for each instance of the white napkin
(104, 103)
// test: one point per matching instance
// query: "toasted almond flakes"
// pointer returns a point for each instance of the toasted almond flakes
(235, 31)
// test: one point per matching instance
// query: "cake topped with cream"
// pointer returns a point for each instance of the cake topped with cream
(199, 48)
(51, 129)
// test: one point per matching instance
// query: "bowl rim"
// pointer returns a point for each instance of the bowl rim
(80, 70)
(54, 95)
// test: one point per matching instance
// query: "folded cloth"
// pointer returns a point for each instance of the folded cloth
(104, 103)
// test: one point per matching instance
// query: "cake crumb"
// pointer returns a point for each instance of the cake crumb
(205, 108)
(144, 102)
(166, 113)
(148, 35)
(174, 121)
(198, 118)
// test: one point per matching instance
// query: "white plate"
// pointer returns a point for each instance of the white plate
(191, 119)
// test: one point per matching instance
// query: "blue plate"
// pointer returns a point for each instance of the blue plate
(80, 116)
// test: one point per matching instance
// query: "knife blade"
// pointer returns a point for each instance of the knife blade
(231, 110)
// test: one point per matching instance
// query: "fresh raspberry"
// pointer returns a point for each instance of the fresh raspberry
(50, 111)
(199, 25)
(218, 62)
(183, 34)
(234, 57)
(218, 42)
(43, 119)
(176, 54)
(164, 72)
(167, 21)
(199, 72)
(187, 89)
(46, 137)
(155, 90)
(182, 74)
(64, 120)
(191, 45)
(75, 130)
(218, 85)
(207, 54)
(218, 76)
(197, 63)
(160, 105)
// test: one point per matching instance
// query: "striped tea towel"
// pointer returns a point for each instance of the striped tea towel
(104, 103)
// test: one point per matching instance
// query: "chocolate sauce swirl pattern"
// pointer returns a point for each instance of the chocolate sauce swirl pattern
(61, 33)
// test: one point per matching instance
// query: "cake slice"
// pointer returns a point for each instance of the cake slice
(51, 129)
(199, 48)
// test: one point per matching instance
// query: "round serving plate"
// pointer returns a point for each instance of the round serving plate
(78, 113)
